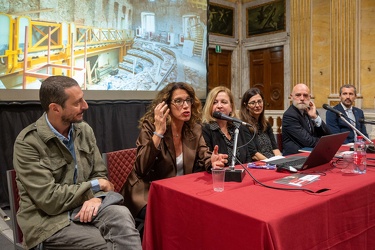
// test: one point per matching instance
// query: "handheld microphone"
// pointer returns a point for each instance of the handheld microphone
(327, 107)
(222, 116)
(368, 122)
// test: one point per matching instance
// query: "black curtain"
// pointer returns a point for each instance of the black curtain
(115, 124)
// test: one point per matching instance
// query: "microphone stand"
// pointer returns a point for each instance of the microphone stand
(232, 174)
(370, 148)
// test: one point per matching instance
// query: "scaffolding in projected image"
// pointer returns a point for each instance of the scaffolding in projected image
(34, 72)
(36, 49)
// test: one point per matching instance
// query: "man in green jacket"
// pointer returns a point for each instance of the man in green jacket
(66, 199)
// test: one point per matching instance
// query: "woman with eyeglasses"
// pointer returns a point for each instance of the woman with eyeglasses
(221, 133)
(252, 112)
(170, 143)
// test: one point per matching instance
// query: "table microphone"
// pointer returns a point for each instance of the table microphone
(327, 107)
(232, 174)
(222, 116)
(370, 148)
(366, 122)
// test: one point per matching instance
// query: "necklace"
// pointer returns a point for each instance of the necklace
(176, 132)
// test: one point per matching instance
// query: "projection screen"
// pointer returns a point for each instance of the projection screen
(115, 50)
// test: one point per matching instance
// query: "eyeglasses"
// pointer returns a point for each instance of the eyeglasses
(180, 102)
(254, 103)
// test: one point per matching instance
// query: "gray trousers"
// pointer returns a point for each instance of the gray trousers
(113, 228)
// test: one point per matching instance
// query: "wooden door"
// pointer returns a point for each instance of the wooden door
(267, 74)
(219, 69)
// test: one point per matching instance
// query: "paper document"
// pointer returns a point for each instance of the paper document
(274, 158)
(298, 180)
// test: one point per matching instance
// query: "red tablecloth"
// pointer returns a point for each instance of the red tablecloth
(185, 213)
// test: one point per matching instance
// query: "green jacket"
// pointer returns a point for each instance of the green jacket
(45, 170)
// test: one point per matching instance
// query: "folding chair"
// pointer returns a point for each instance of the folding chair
(14, 199)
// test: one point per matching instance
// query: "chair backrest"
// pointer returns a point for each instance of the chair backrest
(14, 199)
(279, 140)
(119, 164)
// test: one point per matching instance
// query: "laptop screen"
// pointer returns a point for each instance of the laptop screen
(322, 153)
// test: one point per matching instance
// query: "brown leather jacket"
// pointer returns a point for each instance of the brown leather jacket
(159, 163)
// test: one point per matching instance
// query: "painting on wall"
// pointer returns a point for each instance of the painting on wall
(220, 20)
(266, 18)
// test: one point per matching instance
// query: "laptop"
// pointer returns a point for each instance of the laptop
(322, 153)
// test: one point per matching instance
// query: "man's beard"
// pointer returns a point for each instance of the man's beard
(69, 120)
(300, 106)
(348, 103)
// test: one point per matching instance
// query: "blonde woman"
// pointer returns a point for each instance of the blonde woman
(220, 133)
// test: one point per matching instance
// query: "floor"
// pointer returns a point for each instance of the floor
(5, 243)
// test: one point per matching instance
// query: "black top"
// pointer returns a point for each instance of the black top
(265, 142)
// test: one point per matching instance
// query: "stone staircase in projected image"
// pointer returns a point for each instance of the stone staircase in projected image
(149, 60)
(199, 39)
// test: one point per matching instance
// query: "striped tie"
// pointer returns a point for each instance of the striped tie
(307, 118)
(350, 114)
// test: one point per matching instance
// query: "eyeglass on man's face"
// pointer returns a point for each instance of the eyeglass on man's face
(254, 103)
(180, 102)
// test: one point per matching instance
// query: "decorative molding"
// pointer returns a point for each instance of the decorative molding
(300, 42)
(345, 44)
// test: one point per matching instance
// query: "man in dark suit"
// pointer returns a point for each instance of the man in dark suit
(301, 123)
(352, 114)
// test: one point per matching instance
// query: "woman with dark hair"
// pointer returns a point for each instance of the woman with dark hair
(252, 112)
(221, 133)
(170, 143)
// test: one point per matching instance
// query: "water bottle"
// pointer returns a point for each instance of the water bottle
(359, 156)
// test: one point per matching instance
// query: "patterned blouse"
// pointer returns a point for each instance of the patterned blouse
(265, 142)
